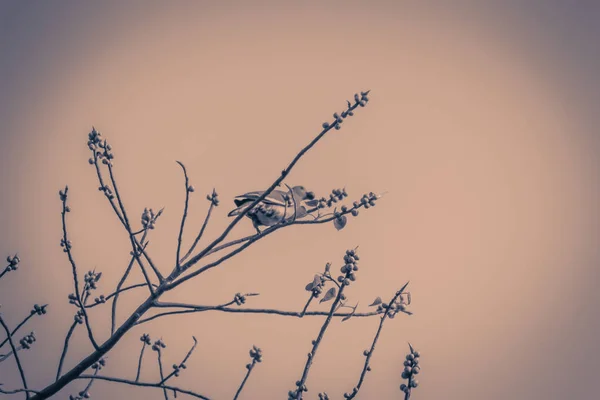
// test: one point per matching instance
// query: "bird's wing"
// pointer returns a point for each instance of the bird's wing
(275, 197)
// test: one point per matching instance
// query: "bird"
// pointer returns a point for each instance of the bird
(275, 207)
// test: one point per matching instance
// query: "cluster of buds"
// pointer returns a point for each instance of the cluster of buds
(100, 299)
(79, 317)
(39, 310)
(358, 101)
(158, 345)
(352, 394)
(66, 245)
(400, 304)
(349, 268)
(149, 218)
(91, 278)
(27, 341)
(411, 368)
(335, 196)
(100, 364)
(73, 299)
(213, 198)
(367, 200)
(239, 299)
(323, 396)
(146, 339)
(62, 194)
(178, 367)
(297, 394)
(107, 191)
(13, 262)
(101, 149)
(256, 355)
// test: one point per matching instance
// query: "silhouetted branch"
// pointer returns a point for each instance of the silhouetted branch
(14, 350)
(37, 310)
(369, 353)
(256, 355)
(144, 384)
(66, 244)
(213, 203)
(15, 391)
(65, 348)
(157, 347)
(188, 190)
(194, 308)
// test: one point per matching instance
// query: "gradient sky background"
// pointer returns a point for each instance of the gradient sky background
(482, 127)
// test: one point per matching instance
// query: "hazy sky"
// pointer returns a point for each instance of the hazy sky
(482, 128)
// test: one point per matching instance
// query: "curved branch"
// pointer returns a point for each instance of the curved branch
(144, 384)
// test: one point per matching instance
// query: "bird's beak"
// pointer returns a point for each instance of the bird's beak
(310, 195)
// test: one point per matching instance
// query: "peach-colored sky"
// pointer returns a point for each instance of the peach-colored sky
(482, 128)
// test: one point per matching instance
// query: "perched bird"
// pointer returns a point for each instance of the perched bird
(276, 207)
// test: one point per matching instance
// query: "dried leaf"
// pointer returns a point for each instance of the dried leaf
(340, 222)
(347, 317)
(329, 295)
(376, 302)
(98, 276)
(309, 287)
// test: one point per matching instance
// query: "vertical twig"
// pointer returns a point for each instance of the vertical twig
(188, 189)
(204, 224)
(139, 369)
(65, 348)
(368, 354)
(14, 350)
(256, 355)
(67, 249)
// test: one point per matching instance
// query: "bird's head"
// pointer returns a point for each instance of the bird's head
(302, 193)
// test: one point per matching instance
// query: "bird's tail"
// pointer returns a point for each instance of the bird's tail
(238, 211)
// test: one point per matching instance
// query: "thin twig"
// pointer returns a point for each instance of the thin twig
(118, 290)
(14, 350)
(300, 385)
(19, 326)
(132, 238)
(67, 249)
(162, 377)
(306, 306)
(144, 384)
(249, 370)
(298, 314)
(113, 294)
(182, 363)
(139, 369)
(7, 269)
(367, 366)
(15, 391)
(65, 348)
(204, 224)
(185, 212)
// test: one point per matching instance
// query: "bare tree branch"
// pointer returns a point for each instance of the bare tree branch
(39, 310)
(144, 384)
(256, 355)
(368, 354)
(66, 244)
(182, 364)
(188, 189)
(65, 348)
(213, 204)
(17, 360)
